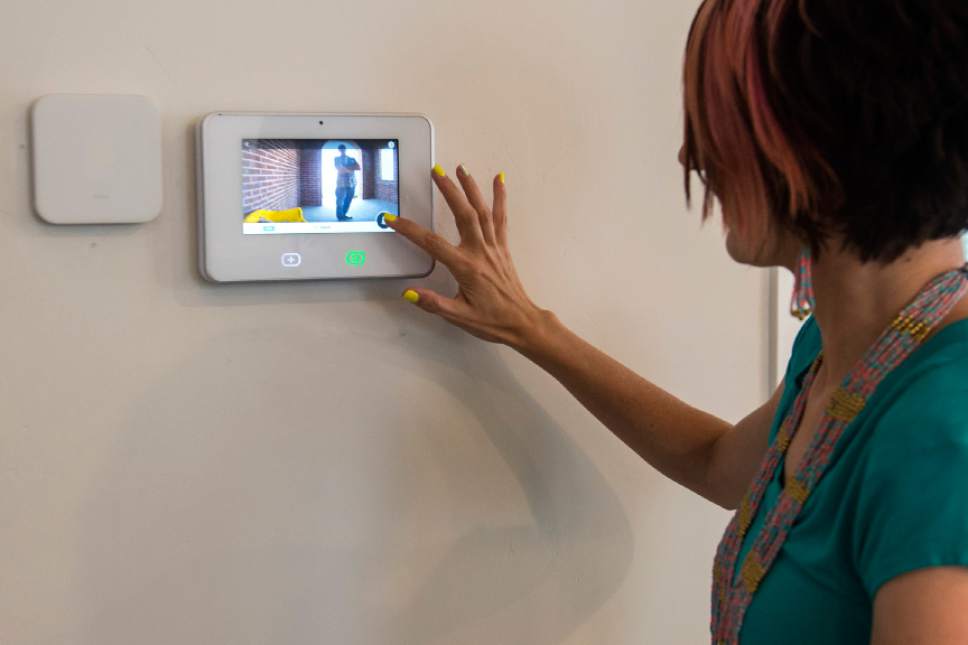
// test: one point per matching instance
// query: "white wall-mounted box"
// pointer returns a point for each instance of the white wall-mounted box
(96, 159)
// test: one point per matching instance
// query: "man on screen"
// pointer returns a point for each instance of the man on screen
(346, 168)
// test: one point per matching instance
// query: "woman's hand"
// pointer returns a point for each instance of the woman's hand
(491, 302)
(681, 441)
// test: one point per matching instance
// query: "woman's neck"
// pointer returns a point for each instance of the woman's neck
(855, 302)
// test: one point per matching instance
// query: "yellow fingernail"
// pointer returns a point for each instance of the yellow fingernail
(411, 296)
(439, 171)
(389, 217)
(500, 177)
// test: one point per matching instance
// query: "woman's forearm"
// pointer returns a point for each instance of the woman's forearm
(677, 439)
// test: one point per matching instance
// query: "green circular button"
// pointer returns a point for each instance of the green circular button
(355, 258)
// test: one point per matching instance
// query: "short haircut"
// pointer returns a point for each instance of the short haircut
(342, 147)
(844, 118)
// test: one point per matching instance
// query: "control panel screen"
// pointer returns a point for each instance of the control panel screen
(319, 185)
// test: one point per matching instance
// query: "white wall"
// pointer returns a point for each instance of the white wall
(785, 326)
(189, 463)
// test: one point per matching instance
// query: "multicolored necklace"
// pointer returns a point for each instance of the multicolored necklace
(732, 594)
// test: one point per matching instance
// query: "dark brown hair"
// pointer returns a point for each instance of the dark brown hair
(844, 118)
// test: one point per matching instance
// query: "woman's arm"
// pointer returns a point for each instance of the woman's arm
(704, 453)
(925, 607)
(698, 450)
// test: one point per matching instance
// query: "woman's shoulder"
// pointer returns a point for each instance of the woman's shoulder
(927, 391)
(927, 399)
(911, 504)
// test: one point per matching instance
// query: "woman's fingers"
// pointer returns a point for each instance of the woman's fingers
(433, 244)
(434, 303)
(491, 302)
(500, 216)
(476, 199)
(468, 224)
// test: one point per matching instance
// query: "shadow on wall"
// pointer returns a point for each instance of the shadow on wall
(264, 506)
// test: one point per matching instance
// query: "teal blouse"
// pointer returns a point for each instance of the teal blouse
(893, 500)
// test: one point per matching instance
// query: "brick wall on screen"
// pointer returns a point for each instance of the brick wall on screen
(372, 186)
(270, 176)
(388, 190)
(310, 186)
(368, 189)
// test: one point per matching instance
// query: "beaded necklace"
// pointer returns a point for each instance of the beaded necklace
(731, 598)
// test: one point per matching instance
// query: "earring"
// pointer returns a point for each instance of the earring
(802, 302)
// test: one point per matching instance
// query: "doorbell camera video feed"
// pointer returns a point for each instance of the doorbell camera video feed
(319, 185)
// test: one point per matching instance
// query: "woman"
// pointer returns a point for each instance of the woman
(834, 136)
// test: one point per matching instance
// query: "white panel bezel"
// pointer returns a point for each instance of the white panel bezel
(228, 255)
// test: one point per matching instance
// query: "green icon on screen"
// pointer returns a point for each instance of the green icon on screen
(355, 258)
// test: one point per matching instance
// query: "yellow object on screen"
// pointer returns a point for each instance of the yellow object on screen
(265, 215)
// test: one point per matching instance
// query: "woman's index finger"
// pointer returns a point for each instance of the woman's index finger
(433, 244)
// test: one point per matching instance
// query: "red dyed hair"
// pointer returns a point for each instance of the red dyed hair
(747, 152)
(846, 123)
